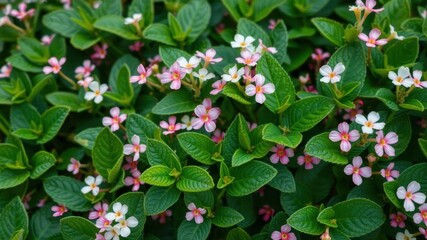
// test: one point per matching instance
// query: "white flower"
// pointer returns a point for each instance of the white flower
(371, 123)
(394, 35)
(186, 122)
(187, 66)
(403, 77)
(134, 19)
(329, 75)
(112, 233)
(97, 92)
(406, 236)
(233, 75)
(203, 74)
(124, 225)
(411, 195)
(93, 184)
(119, 212)
(241, 42)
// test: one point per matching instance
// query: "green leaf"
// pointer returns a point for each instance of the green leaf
(25, 116)
(402, 127)
(158, 175)
(264, 7)
(78, 228)
(159, 32)
(423, 145)
(279, 37)
(413, 104)
(226, 217)
(284, 180)
(231, 140)
(330, 29)
(200, 199)
(176, 28)
(87, 137)
(232, 7)
(175, 102)
(194, 179)
(284, 95)
(250, 177)
(159, 199)
(27, 134)
(191, 230)
(43, 225)
(146, 7)
(106, 153)
(353, 224)
(384, 95)
(60, 22)
(306, 113)
(243, 133)
(20, 62)
(158, 153)
(273, 133)
(122, 85)
(12, 177)
(304, 220)
(135, 203)
(322, 147)
(326, 216)
(9, 154)
(52, 121)
(238, 234)
(296, 8)
(67, 99)
(141, 126)
(41, 161)
(402, 52)
(33, 50)
(198, 146)
(67, 191)
(395, 13)
(232, 91)
(194, 18)
(13, 217)
(84, 40)
(110, 7)
(247, 28)
(116, 25)
(169, 55)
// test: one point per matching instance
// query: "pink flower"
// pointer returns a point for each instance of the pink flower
(100, 52)
(209, 56)
(308, 161)
(195, 213)
(66, 4)
(143, 75)
(174, 75)
(136, 148)
(397, 219)
(410, 195)
(319, 55)
(267, 212)
(103, 223)
(41, 202)
(344, 136)
(284, 234)
(272, 23)
(74, 166)
(162, 216)
(207, 103)
(389, 173)
(47, 39)
(170, 127)
(383, 143)
(205, 117)
(85, 82)
(282, 154)
(99, 236)
(155, 60)
(100, 211)
(58, 210)
(422, 215)
(372, 41)
(22, 13)
(357, 171)
(369, 6)
(134, 180)
(252, 126)
(26, 200)
(247, 75)
(218, 86)
(218, 136)
(248, 58)
(130, 165)
(351, 113)
(304, 79)
(115, 120)
(259, 89)
(5, 71)
(86, 69)
(55, 65)
(416, 79)
(262, 48)
(187, 66)
(422, 230)
(136, 47)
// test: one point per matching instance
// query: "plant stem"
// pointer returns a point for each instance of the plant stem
(66, 78)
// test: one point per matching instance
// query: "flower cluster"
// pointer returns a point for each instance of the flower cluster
(113, 225)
